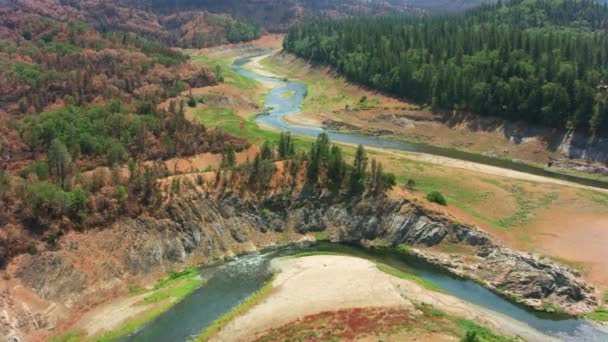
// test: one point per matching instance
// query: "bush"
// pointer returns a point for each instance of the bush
(4, 183)
(40, 169)
(389, 179)
(77, 204)
(191, 102)
(437, 197)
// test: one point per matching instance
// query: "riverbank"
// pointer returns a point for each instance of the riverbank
(124, 315)
(513, 205)
(312, 285)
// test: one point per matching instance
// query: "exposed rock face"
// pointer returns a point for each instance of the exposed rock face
(196, 227)
(52, 275)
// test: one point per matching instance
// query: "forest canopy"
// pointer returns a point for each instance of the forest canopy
(542, 61)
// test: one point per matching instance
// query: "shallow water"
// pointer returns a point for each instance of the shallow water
(282, 106)
(230, 283)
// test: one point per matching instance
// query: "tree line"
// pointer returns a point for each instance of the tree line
(542, 61)
(323, 165)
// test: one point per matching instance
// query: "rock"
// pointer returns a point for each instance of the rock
(201, 226)
(52, 276)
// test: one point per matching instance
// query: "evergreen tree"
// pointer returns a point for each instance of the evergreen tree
(59, 160)
(357, 177)
(336, 168)
(228, 157)
(542, 61)
(266, 151)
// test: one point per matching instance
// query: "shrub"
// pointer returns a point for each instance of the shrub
(191, 102)
(121, 193)
(4, 183)
(411, 184)
(437, 197)
(77, 204)
(389, 179)
(40, 169)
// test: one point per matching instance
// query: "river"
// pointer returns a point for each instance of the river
(280, 106)
(230, 283)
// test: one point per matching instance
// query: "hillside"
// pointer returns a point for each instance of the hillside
(541, 61)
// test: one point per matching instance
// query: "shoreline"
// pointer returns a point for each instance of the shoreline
(354, 283)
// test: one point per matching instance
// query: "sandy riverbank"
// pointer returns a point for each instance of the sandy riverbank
(314, 284)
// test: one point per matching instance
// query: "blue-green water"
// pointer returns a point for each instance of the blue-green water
(282, 106)
(230, 283)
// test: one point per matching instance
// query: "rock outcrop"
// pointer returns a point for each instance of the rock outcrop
(197, 227)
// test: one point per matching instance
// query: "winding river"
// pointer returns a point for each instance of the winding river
(230, 283)
(282, 106)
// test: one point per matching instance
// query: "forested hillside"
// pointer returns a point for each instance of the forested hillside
(175, 27)
(543, 61)
(82, 132)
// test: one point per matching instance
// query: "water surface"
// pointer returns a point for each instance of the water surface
(281, 107)
(230, 283)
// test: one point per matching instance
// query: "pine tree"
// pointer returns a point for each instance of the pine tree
(59, 160)
(357, 178)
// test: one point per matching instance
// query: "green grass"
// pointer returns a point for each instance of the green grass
(242, 308)
(464, 326)
(408, 276)
(166, 293)
(552, 307)
(68, 337)
(599, 315)
(170, 293)
(228, 121)
(181, 291)
(483, 334)
(287, 94)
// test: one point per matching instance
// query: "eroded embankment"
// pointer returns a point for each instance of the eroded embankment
(202, 222)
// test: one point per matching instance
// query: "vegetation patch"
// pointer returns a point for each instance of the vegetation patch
(437, 197)
(599, 315)
(378, 323)
(167, 292)
(287, 94)
(408, 276)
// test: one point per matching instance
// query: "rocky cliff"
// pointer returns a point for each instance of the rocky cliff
(196, 227)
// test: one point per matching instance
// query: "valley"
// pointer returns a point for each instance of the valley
(326, 171)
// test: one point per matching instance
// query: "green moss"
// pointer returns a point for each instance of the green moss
(242, 308)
